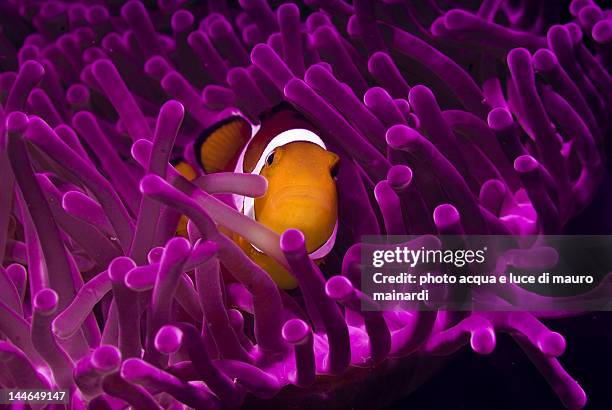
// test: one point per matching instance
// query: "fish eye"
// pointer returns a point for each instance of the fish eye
(334, 171)
(270, 158)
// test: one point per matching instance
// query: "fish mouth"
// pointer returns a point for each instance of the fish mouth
(319, 252)
(312, 211)
(302, 193)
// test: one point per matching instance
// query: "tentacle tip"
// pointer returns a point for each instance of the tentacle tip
(97, 14)
(315, 73)
(377, 60)
(131, 7)
(102, 66)
(181, 20)
(544, 60)
(419, 92)
(17, 122)
(457, 19)
(151, 184)
(106, 358)
(483, 341)
(174, 108)
(119, 267)
(602, 31)
(574, 398)
(324, 35)
(399, 177)
(295, 331)
(339, 288)
(499, 118)
(288, 10)
(177, 248)
(292, 240)
(525, 164)
(134, 369)
(45, 301)
(34, 69)
(400, 135)
(293, 87)
(56, 329)
(518, 56)
(219, 28)
(553, 344)
(141, 149)
(446, 215)
(168, 339)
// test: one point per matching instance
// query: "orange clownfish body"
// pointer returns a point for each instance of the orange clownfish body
(286, 150)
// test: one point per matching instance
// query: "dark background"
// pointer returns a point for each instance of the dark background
(506, 379)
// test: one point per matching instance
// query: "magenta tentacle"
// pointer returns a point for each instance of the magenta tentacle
(127, 307)
(209, 284)
(140, 372)
(40, 133)
(48, 233)
(311, 282)
(289, 24)
(45, 309)
(449, 119)
(86, 125)
(115, 89)
(297, 332)
(170, 267)
(21, 369)
(169, 121)
(347, 104)
(264, 290)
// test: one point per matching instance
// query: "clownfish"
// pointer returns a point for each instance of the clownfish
(286, 149)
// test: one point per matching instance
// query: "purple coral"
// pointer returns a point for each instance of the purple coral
(487, 120)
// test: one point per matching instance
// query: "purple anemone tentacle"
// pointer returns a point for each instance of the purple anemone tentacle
(347, 104)
(45, 309)
(190, 338)
(210, 290)
(266, 294)
(379, 101)
(127, 306)
(21, 368)
(341, 289)
(405, 138)
(120, 176)
(56, 261)
(311, 281)
(170, 268)
(289, 24)
(169, 121)
(110, 81)
(40, 134)
(297, 332)
(140, 372)
(126, 275)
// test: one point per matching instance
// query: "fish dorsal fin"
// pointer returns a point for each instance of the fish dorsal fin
(219, 146)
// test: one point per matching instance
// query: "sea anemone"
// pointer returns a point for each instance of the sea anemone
(448, 119)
